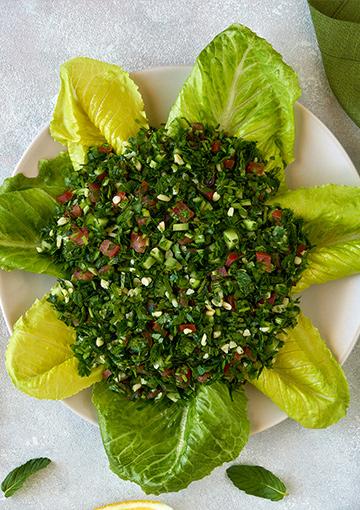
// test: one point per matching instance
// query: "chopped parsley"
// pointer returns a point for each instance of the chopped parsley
(177, 271)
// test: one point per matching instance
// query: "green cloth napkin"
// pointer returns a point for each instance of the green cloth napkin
(337, 26)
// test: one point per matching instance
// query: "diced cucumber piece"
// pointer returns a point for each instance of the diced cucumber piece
(231, 238)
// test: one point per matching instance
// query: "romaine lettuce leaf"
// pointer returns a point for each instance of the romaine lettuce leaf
(332, 223)
(165, 446)
(22, 215)
(242, 84)
(306, 381)
(39, 358)
(330, 212)
(51, 178)
(97, 103)
(330, 263)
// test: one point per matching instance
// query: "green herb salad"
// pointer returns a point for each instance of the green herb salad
(179, 254)
(172, 246)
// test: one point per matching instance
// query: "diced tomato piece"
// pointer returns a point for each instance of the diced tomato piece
(106, 373)
(222, 271)
(215, 146)
(121, 195)
(141, 221)
(105, 149)
(149, 340)
(237, 357)
(190, 326)
(253, 167)
(248, 352)
(138, 242)
(264, 258)
(76, 211)
(232, 301)
(109, 249)
(205, 377)
(185, 240)
(167, 372)
(83, 275)
(229, 164)
(197, 126)
(101, 177)
(272, 298)
(65, 197)
(149, 202)
(79, 236)
(143, 188)
(231, 258)
(94, 194)
(300, 249)
(183, 375)
(182, 211)
(209, 194)
(152, 394)
(155, 326)
(226, 368)
(104, 269)
(277, 215)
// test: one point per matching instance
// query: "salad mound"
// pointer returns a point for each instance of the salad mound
(177, 250)
(172, 245)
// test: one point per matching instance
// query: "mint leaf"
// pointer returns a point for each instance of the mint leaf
(257, 481)
(17, 476)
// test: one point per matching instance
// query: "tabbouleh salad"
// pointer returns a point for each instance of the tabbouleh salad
(178, 273)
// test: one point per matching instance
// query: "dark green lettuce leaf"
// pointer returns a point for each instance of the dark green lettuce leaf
(51, 178)
(306, 381)
(332, 223)
(164, 446)
(242, 84)
(22, 216)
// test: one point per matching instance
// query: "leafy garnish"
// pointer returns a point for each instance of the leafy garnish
(165, 446)
(22, 216)
(242, 84)
(97, 102)
(257, 481)
(39, 358)
(52, 177)
(331, 221)
(306, 381)
(16, 478)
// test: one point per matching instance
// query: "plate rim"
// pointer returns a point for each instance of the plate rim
(44, 130)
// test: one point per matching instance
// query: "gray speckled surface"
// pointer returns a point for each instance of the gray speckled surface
(320, 467)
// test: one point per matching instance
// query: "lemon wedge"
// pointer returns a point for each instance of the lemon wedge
(136, 505)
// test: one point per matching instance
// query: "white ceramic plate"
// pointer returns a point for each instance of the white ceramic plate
(320, 159)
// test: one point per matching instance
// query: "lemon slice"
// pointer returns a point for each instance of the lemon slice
(136, 505)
